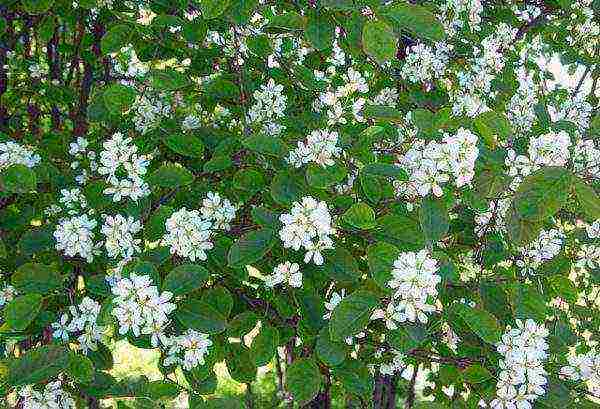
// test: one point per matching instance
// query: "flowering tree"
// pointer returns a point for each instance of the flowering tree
(360, 193)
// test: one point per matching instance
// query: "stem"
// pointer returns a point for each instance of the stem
(249, 396)
(410, 399)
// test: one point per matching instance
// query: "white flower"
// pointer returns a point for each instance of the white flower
(119, 232)
(51, 397)
(414, 281)
(218, 210)
(119, 157)
(11, 153)
(269, 106)
(7, 294)
(320, 147)
(288, 273)
(333, 302)
(307, 226)
(194, 346)
(191, 122)
(140, 308)
(75, 237)
(188, 234)
(522, 375)
(83, 322)
(593, 230)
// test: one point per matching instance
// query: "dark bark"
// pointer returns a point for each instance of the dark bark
(54, 68)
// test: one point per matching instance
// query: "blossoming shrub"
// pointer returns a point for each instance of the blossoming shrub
(358, 193)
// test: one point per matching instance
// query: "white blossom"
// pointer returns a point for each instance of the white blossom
(308, 226)
(188, 234)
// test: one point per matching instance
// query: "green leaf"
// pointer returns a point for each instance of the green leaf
(588, 199)
(154, 229)
(401, 231)
(266, 144)
(287, 188)
(341, 266)
(240, 363)
(381, 257)
(18, 179)
(319, 31)
(241, 10)
(80, 368)
(493, 127)
(36, 6)
(322, 178)
(171, 176)
(36, 278)
(21, 311)
(220, 299)
(286, 21)
(213, 8)
(542, 194)
(433, 216)
(520, 231)
(480, 322)
(361, 216)
(38, 365)
(199, 315)
(118, 98)
(168, 80)
(264, 345)
(185, 144)
(383, 113)
(162, 389)
(242, 324)
(185, 278)
(476, 373)
(415, 19)
(379, 41)
(352, 314)
(331, 353)
(564, 288)
(116, 37)
(303, 380)
(37, 240)
(250, 248)
(385, 169)
(355, 377)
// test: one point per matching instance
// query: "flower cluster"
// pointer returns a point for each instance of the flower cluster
(75, 236)
(188, 349)
(545, 247)
(522, 377)
(53, 396)
(586, 368)
(80, 152)
(7, 294)
(11, 153)
(148, 111)
(140, 308)
(269, 105)
(285, 273)
(308, 226)
(188, 234)
(320, 147)
(397, 364)
(119, 232)
(431, 165)
(414, 282)
(120, 157)
(343, 102)
(83, 323)
(218, 210)
(424, 64)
